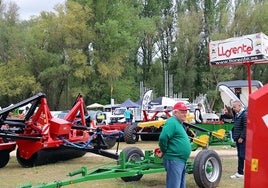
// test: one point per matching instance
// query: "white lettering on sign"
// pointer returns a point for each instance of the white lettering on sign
(265, 119)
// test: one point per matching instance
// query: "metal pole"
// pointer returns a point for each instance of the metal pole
(248, 64)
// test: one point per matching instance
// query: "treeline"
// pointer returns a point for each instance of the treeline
(106, 49)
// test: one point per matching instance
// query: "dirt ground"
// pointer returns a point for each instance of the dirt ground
(13, 175)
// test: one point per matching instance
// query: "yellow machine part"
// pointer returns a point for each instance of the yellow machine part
(219, 133)
(156, 123)
(202, 140)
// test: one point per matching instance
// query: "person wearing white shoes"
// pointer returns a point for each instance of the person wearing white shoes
(239, 136)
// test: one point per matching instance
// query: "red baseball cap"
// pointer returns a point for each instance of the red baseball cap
(180, 106)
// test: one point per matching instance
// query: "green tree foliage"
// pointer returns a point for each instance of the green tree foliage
(16, 81)
(89, 46)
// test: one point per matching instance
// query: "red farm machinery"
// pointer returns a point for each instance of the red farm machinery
(39, 138)
(133, 163)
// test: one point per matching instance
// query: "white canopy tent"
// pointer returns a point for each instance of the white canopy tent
(95, 105)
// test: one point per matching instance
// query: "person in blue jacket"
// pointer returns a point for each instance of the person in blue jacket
(239, 136)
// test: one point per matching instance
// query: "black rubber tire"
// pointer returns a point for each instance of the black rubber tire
(134, 154)
(207, 169)
(27, 163)
(47, 156)
(130, 134)
(4, 158)
(109, 141)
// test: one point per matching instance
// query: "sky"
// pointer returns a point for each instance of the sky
(29, 8)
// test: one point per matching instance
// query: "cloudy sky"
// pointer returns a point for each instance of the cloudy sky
(34, 7)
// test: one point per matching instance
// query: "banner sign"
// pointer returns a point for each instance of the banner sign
(239, 50)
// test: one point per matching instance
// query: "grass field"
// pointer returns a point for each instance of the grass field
(13, 175)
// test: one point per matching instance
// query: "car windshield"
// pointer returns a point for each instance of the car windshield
(119, 111)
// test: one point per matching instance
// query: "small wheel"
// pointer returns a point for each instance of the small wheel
(4, 158)
(207, 169)
(27, 163)
(130, 134)
(133, 154)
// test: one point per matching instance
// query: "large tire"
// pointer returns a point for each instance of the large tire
(4, 158)
(207, 169)
(27, 163)
(133, 154)
(47, 156)
(130, 134)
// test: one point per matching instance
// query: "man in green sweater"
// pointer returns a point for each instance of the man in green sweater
(175, 147)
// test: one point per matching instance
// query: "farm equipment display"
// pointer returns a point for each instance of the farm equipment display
(39, 138)
(132, 163)
(150, 129)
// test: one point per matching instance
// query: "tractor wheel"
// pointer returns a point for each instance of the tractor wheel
(130, 134)
(4, 158)
(207, 169)
(109, 141)
(27, 163)
(133, 154)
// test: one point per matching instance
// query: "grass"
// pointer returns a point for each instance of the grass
(13, 175)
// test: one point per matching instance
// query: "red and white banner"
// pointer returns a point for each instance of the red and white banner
(239, 50)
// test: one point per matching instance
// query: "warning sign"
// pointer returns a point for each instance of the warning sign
(233, 51)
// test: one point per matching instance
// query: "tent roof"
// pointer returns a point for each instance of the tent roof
(95, 105)
(129, 103)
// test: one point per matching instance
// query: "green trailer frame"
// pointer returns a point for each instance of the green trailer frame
(133, 164)
(208, 129)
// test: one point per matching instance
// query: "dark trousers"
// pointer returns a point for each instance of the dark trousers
(241, 148)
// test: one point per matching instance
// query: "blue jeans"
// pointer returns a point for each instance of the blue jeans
(175, 177)
(241, 147)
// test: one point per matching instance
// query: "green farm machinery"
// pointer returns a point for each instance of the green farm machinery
(133, 163)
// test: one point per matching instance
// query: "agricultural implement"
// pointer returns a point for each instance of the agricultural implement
(206, 168)
(39, 138)
(132, 163)
(150, 129)
(132, 132)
